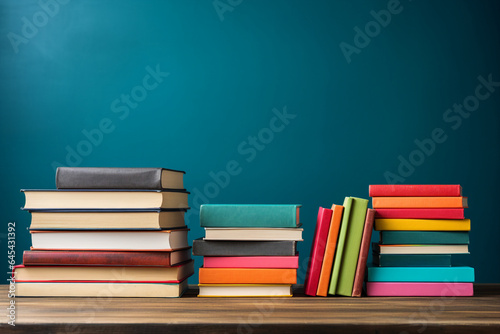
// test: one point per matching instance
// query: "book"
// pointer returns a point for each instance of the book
(291, 262)
(118, 178)
(352, 245)
(412, 260)
(163, 240)
(422, 224)
(420, 274)
(98, 290)
(418, 289)
(415, 190)
(173, 274)
(247, 248)
(359, 277)
(419, 202)
(337, 261)
(249, 215)
(245, 290)
(331, 245)
(247, 276)
(317, 251)
(105, 199)
(420, 213)
(420, 249)
(253, 234)
(424, 237)
(107, 219)
(106, 258)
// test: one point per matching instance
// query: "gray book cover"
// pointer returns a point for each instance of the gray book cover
(243, 248)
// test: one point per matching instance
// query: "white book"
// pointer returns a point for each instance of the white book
(421, 249)
(252, 234)
(245, 290)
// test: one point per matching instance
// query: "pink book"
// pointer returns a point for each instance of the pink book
(420, 213)
(280, 262)
(317, 251)
(412, 289)
(415, 190)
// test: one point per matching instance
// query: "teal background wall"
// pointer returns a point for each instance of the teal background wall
(74, 91)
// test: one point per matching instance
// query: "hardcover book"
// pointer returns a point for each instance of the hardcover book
(420, 249)
(105, 199)
(248, 215)
(118, 178)
(420, 213)
(420, 274)
(245, 290)
(422, 224)
(253, 233)
(418, 289)
(291, 262)
(419, 202)
(412, 260)
(317, 251)
(247, 248)
(415, 190)
(247, 276)
(424, 237)
(357, 287)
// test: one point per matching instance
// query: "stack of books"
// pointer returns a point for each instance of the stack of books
(115, 232)
(420, 226)
(340, 249)
(249, 250)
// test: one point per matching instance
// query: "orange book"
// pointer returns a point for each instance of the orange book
(247, 276)
(419, 202)
(331, 243)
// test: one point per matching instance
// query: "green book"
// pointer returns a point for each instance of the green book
(351, 246)
(424, 238)
(340, 246)
(249, 215)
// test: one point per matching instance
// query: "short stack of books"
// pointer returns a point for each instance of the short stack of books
(114, 232)
(340, 249)
(249, 250)
(420, 226)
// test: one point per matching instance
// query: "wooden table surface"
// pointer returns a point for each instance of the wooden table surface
(478, 314)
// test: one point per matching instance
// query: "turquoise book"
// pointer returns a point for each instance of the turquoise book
(249, 215)
(412, 260)
(424, 238)
(420, 274)
(351, 247)
(332, 288)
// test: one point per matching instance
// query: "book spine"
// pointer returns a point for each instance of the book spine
(419, 202)
(247, 248)
(384, 289)
(412, 260)
(215, 215)
(415, 190)
(422, 225)
(108, 178)
(424, 237)
(357, 287)
(420, 274)
(247, 276)
(156, 259)
(284, 262)
(420, 213)
(317, 251)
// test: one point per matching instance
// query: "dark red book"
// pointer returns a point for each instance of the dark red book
(420, 213)
(359, 277)
(415, 190)
(106, 258)
(317, 251)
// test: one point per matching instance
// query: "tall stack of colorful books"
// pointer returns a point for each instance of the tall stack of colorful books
(114, 232)
(249, 250)
(420, 226)
(340, 249)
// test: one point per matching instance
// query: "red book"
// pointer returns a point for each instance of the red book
(415, 190)
(420, 213)
(106, 258)
(317, 251)
(363, 254)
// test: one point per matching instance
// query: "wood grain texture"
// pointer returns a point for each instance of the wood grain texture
(478, 314)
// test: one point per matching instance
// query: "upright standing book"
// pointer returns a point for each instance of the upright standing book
(357, 288)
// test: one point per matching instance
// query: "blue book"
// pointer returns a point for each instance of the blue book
(424, 238)
(420, 274)
(412, 260)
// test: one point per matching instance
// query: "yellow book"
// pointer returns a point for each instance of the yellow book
(422, 224)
